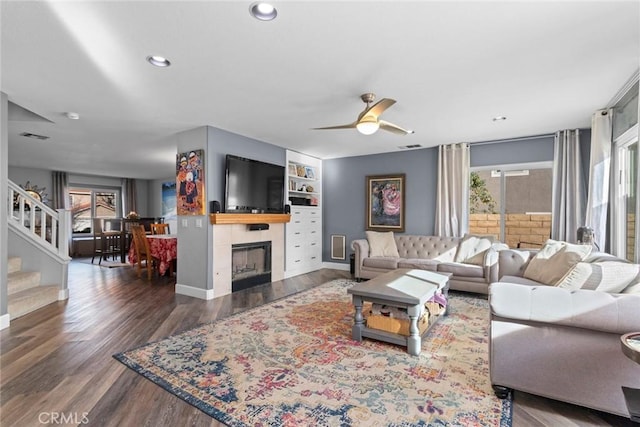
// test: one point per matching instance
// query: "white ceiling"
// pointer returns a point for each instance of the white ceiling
(451, 66)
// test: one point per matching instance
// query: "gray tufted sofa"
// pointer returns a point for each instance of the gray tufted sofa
(431, 253)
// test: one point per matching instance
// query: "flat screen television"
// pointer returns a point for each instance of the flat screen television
(253, 186)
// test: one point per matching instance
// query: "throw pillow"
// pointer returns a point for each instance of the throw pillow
(554, 261)
(382, 244)
(633, 288)
(610, 276)
(472, 248)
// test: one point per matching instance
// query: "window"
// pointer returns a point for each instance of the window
(512, 202)
(624, 242)
(88, 203)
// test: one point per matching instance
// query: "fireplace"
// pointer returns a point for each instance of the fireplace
(250, 265)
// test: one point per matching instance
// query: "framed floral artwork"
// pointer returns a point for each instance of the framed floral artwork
(385, 202)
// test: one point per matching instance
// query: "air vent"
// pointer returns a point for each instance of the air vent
(34, 136)
(404, 147)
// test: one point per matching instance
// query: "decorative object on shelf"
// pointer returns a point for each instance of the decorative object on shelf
(301, 171)
(34, 191)
(303, 188)
(133, 215)
(309, 189)
(293, 170)
(309, 172)
(190, 183)
(385, 202)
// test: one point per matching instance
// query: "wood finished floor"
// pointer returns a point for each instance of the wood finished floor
(57, 360)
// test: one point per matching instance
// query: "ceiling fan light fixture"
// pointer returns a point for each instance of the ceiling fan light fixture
(263, 11)
(368, 126)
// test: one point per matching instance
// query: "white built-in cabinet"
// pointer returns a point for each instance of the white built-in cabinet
(303, 246)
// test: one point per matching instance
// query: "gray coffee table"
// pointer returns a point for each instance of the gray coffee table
(403, 288)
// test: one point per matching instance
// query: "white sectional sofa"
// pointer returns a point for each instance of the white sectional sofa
(562, 340)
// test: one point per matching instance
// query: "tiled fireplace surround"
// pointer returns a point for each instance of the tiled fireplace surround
(226, 235)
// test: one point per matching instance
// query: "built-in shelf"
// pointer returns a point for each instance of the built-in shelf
(248, 218)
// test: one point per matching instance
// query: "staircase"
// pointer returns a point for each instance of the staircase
(25, 294)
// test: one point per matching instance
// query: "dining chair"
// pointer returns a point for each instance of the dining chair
(106, 239)
(160, 229)
(143, 253)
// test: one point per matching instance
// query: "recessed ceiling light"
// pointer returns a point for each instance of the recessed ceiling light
(158, 61)
(499, 118)
(263, 11)
(71, 115)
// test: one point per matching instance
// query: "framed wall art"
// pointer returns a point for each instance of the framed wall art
(190, 187)
(385, 202)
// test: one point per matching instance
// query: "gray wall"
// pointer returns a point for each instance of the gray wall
(42, 179)
(195, 249)
(512, 151)
(343, 182)
(344, 198)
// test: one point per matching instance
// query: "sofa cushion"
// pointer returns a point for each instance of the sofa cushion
(609, 276)
(472, 248)
(419, 263)
(633, 288)
(381, 262)
(554, 260)
(382, 244)
(461, 269)
(519, 280)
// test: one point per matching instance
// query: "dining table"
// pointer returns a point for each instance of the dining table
(163, 247)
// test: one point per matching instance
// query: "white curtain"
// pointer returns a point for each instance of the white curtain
(568, 189)
(452, 204)
(599, 175)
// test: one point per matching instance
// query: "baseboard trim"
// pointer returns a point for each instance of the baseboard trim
(63, 294)
(190, 291)
(4, 321)
(336, 266)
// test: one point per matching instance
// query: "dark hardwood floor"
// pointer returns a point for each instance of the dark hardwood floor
(57, 369)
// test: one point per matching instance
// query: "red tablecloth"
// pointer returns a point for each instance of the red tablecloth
(163, 247)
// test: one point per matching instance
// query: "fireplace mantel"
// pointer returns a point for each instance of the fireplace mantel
(248, 218)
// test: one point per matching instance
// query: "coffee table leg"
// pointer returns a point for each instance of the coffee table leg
(358, 319)
(414, 341)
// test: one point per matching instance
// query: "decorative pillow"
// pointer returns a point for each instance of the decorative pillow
(554, 261)
(382, 244)
(472, 248)
(610, 276)
(634, 288)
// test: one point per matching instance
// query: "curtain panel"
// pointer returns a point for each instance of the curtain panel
(599, 176)
(60, 184)
(129, 196)
(60, 200)
(569, 187)
(452, 203)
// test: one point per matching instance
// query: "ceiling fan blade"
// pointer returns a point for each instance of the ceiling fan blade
(393, 128)
(378, 108)
(349, 126)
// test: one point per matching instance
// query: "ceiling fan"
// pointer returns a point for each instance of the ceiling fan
(368, 121)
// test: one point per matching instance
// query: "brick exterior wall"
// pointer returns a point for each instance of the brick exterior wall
(528, 230)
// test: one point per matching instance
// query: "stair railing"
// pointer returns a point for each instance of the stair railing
(46, 227)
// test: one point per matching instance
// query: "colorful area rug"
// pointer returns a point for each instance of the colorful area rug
(293, 363)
